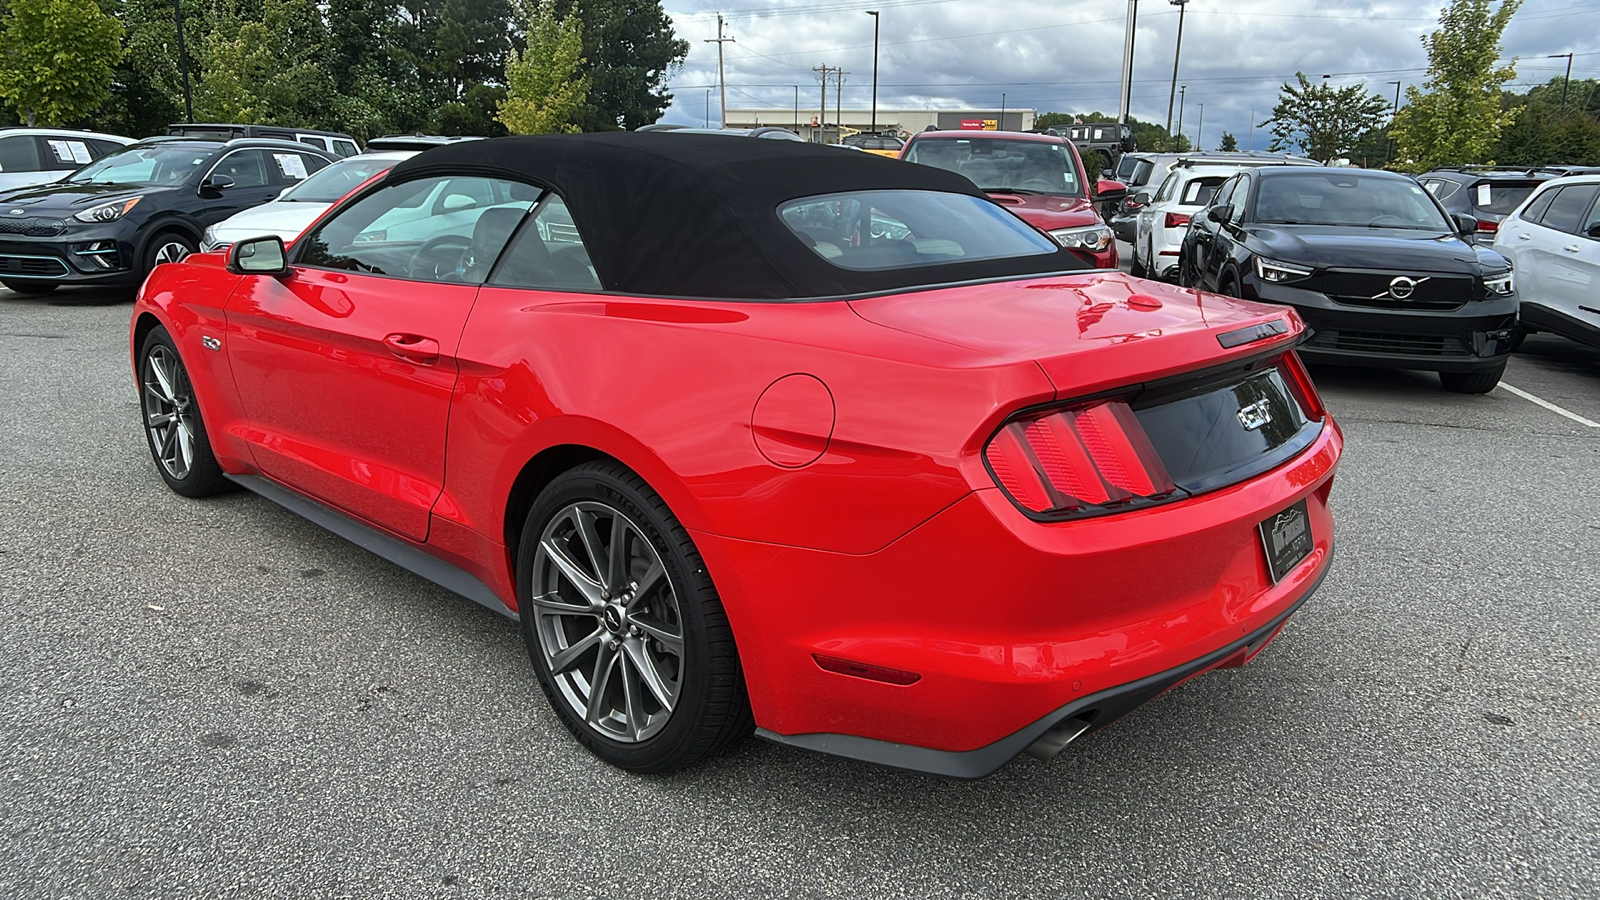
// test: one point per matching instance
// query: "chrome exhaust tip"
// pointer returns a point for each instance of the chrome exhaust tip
(1058, 736)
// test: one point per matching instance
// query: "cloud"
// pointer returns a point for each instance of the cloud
(1049, 56)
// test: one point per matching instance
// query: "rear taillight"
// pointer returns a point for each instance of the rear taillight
(1177, 220)
(1079, 459)
(1487, 227)
(1304, 391)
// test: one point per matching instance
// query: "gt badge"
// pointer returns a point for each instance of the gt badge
(1255, 415)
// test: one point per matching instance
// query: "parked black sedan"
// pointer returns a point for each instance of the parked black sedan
(115, 219)
(1378, 270)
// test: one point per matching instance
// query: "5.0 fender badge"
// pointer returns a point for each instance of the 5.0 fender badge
(210, 343)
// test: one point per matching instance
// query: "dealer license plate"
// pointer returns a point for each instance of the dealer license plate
(1287, 539)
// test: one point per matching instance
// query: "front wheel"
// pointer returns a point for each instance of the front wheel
(167, 247)
(624, 626)
(1472, 382)
(172, 424)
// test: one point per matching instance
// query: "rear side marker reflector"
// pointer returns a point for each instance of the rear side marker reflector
(862, 670)
(1072, 459)
(1253, 333)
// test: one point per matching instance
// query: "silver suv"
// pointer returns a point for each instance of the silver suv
(1143, 172)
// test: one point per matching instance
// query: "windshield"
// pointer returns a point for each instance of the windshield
(1348, 199)
(335, 181)
(167, 165)
(867, 230)
(996, 164)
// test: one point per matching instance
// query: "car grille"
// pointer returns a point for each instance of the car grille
(33, 227)
(1379, 342)
(40, 266)
(1372, 289)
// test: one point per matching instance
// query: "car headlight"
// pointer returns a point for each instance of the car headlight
(1279, 272)
(1094, 238)
(106, 212)
(208, 241)
(1498, 285)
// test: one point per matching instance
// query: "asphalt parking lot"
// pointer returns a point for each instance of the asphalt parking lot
(216, 698)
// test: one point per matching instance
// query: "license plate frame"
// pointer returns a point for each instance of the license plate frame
(1286, 539)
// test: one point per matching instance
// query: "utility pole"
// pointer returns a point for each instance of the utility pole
(797, 109)
(722, 81)
(1565, 82)
(1176, 49)
(875, 23)
(1127, 62)
(822, 110)
(838, 103)
(1183, 91)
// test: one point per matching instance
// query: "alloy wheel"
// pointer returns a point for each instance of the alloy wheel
(169, 411)
(171, 252)
(607, 621)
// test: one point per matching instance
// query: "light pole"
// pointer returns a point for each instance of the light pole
(1183, 91)
(1564, 81)
(1127, 62)
(183, 63)
(708, 107)
(1000, 124)
(875, 23)
(1388, 145)
(1200, 131)
(722, 81)
(1177, 49)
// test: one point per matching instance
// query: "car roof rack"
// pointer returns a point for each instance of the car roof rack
(1471, 169)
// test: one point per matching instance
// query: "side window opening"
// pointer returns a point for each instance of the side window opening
(548, 253)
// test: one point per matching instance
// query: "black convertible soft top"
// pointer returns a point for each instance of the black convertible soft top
(696, 215)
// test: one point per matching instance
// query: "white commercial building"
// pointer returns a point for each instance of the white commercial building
(818, 126)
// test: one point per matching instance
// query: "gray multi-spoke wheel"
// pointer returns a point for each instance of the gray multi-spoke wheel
(172, 423)
(623, 624)
(166, 247)
(608, 621)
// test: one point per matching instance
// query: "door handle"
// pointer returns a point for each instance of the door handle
(1571, 248)
(1524, 237)
(413, 348)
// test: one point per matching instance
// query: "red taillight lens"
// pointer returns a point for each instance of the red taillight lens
(1488, 227)
(1304, 391)
(1065, 460)
(1177, 220)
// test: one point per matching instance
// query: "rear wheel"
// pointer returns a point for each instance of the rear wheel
(1472, 382)
(30, 287)
(623, 624)
(172, 424)
(1137, 268)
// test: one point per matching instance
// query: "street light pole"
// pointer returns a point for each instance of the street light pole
(708, 107)
(1177, 49)
(1000, 124)
(1200, 130)
(1127, 62)
(1388, 146)
(875, 23)
(1183, 90)
(183, 63)
(1566, 81)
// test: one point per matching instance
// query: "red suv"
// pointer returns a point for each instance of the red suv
(1039, 177)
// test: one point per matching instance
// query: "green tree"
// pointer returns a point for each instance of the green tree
(455, 44)
(1322, 121)
(1229, 143)
(1456, 116)
(1541, 133)
(266, 70)
(56, 59)
(543, 87)
(630, 50)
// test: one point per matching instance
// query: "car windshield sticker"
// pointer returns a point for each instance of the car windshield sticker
(1483, 195)
(70, 151)
(291, 165)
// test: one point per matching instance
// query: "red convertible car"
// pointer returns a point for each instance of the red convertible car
(757, 434)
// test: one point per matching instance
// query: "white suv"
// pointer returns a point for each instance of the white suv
(30, 156)
(1163, 219)
(1553, 243)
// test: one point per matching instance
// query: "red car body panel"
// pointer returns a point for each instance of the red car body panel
(1045, 212)
(892, 546)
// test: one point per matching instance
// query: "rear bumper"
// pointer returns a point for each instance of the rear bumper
(1474, 337)
(1011, 625)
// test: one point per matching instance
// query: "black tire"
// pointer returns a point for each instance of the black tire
(172, 395)
(1185, 276)
(1135, 267)
(30, 287)
(1472, 382)
(1229, 287)
(161, 246)
(709, 707)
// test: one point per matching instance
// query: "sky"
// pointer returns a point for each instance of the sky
(1067, 57)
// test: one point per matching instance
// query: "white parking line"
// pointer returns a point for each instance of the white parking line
(1550, 406)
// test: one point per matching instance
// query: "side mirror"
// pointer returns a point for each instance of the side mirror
(1466, 225)
(217, 182)
(1108, 190)
(1220, 214)
(258, 256)
(1140, 199)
